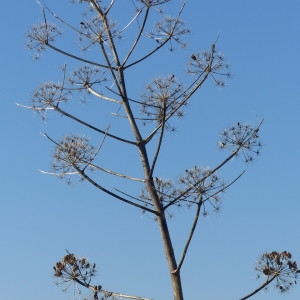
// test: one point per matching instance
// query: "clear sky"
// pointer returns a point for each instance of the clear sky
(41, 216)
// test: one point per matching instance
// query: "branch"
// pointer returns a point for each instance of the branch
(199, 204)
(159, 140)
(183, 102)
(46, 42)
(92, 91)
(233, 154)
(53, 107)
(202, 179)
(85, 176)
(135, 198)
(76, 57)
(92, 127)
(115, 173)
(161, 45)
(110, 6)
(260, 288)
(55, 16)
(138, 36)
(95, 6)
(57, 174)
(193, 87)
(34, 108)
(95, 289)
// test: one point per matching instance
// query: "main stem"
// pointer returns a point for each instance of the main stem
(160, 214)
(169, 252)
(164, 229)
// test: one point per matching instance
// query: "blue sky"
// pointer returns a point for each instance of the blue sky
(41, 216)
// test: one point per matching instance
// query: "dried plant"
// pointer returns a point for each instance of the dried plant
(281, 267)
(203, 186)
(103, 76)
(276, 267)
(71, 268)
(75, 270)
(169, 29)
(163, 97)
(73, 153)
(211, 62)
(243, 138)
(40, 36)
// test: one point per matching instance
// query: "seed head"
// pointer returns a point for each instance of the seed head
(281, 266)
(72, 152)
(242, 138)
(72, 268)
(39, 36)
(162, 99)
(210, 62)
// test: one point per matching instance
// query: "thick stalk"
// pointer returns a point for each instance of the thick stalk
(167, 242)
(169, 252)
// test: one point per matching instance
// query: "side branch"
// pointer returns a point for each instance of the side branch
(77, 57)
(196, 219)
(199, 204)
(92, 127)
(138, 36)
(159, 140)
(161, 45)
(93, 92)
(114, 173)
(233, 154)
(100, 187)
(260, 288)
(183, 102)
(85, 176)
(95, 290)
(56, 108)
(202, 179)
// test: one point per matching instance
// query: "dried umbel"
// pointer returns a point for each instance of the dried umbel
(242, 138)
(210, 62)
(198, 186)
(41, 35)
(79, 271)
(72, 268)
(165, 189)
(280, 267)
(163, 98)
(86, 76)
(169, 29)
(94, 32)
(153, 2)
(73, 153)
(48, 96)
(202, 186)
